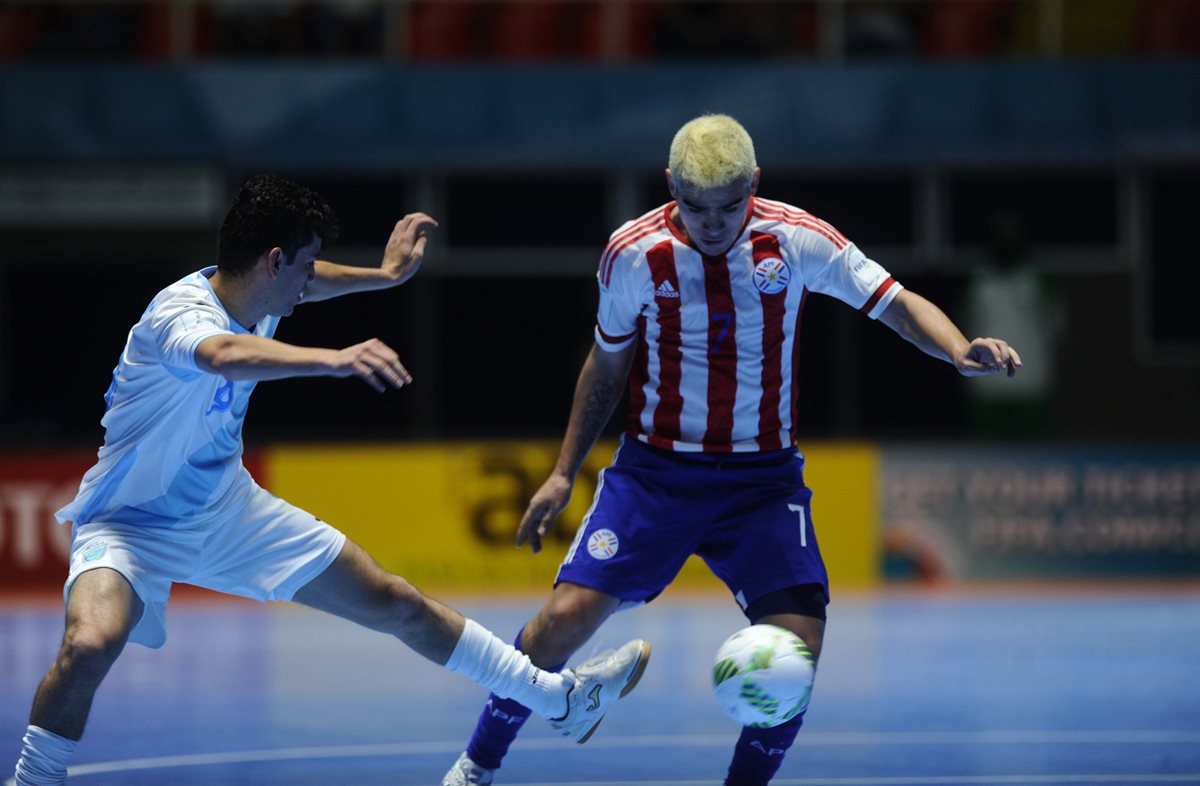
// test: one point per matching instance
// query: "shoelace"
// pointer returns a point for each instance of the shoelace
(595, 659)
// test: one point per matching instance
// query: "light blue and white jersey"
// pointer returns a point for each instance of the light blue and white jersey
(173, 433)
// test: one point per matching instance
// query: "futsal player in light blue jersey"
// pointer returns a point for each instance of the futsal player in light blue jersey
(170, 501)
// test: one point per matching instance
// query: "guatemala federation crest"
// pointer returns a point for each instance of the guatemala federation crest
(603, 544)
(93, 552)
(771, 275)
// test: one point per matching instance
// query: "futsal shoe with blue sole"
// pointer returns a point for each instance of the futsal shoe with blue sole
(598, 683)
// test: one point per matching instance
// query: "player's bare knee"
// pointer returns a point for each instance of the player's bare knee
(811, 631)
(800, 609)
(89, 650)
(562, 628)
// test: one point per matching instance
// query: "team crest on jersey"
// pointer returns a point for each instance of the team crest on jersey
(222, 399)
(771, 275)
(603, 544)
(94, 551)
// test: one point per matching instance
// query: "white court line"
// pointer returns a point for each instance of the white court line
(810, 739)
(931, 780)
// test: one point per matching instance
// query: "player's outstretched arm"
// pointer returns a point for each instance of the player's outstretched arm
(248, 357)
(596, 395)
(922, 323)
(401, 259)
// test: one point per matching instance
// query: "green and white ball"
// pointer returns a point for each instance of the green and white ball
(763, 676)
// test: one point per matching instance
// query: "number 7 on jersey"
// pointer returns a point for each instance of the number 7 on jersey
(799, 510)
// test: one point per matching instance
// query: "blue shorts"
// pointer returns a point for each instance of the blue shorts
(747, 515)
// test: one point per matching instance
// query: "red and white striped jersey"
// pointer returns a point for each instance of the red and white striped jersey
(715, 368)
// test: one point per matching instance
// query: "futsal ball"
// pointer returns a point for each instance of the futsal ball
(763, 676)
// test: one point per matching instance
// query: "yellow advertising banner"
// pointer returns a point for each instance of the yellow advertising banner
(445, 515)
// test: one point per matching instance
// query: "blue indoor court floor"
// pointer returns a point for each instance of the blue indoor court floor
(1003, 686)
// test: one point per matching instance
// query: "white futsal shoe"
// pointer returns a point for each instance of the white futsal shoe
(466, 772)
(598, 683)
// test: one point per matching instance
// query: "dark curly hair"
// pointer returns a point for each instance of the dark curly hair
(269, 211)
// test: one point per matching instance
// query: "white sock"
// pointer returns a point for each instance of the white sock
(507, 672)
(44, 757)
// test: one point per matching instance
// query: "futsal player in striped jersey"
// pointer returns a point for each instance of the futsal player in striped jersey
(699, 317)
(170, 501)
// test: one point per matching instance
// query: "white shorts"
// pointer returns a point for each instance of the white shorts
(254, 545)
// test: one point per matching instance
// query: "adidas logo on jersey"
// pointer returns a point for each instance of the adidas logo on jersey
(666, 290)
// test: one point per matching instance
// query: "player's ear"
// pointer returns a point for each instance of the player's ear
(754, 180)
(274, 261)
(670, 182)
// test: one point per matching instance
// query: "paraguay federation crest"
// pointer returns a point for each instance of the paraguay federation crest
(771, 275)
(603, 544)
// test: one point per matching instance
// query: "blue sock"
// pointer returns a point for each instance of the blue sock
(498, 725)
(759, 752)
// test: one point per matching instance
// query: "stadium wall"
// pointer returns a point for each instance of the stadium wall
(377, 117)
(444, 514)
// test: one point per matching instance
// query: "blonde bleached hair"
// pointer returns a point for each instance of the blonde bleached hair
(712, 151)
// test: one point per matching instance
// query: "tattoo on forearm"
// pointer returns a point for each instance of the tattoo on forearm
(597, 409)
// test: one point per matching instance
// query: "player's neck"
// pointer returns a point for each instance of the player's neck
(680, 228)
(238, 296)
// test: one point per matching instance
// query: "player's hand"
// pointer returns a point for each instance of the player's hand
(985, 356)
(543, 509)
(406, 247)
(374, 362)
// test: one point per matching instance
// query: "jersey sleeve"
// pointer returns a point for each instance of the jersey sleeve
(622, 283)
(180, 324)
(832, 265)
